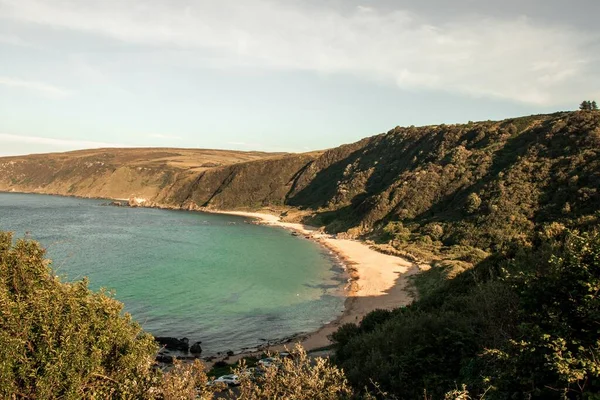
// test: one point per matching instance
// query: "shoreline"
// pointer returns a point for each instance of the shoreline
(377, 280)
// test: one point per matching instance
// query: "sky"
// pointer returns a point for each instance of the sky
(285, 75)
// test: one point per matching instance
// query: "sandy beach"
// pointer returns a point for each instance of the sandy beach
(378, 281)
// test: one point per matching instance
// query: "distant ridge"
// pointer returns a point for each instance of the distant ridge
(479, 185)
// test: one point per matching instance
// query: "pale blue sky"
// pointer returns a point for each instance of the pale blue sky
(281, 75)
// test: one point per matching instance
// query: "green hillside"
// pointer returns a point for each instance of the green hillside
(435, 191)
(523, 324)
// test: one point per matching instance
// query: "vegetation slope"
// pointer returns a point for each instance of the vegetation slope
(518, 199)
(523, 324)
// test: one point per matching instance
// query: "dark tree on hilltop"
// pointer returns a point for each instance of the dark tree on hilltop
(587, 105)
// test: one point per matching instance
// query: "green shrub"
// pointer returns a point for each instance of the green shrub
(60, 340)
(374, 319)
(473, 203)
(187, 381)
(523, 323)
(556, 351)
(297, 377)
(435, 231)
(396, 231)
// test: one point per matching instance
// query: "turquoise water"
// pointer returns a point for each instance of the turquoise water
(211, 278)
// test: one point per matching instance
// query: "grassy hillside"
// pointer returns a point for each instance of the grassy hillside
(113, 173)
(457, 191)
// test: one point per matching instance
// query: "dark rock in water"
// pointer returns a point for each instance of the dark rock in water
(168, 359)
(229, 353)
(172, 343)
(196, 348)
(114, 204)
(186, 358)
(165, 359)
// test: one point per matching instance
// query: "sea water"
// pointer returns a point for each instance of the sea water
(208, 277)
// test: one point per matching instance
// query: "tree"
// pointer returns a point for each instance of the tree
(473, 203)
(588, 105)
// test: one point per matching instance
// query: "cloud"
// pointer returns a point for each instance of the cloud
(13, 40)
(508, 58)
(44, 89)
(54, 142)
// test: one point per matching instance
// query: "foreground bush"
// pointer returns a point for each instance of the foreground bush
(60, 340)
(297, 378)
(187, 381)
(556, 350)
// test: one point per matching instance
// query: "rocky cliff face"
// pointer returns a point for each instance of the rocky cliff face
(478, 184)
